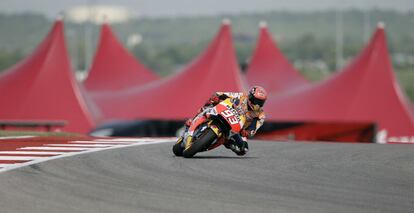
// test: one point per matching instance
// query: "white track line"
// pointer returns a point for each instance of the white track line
(131, 139)
(79, 145)
(6, 165)
(15, 137)
(31, 153)
(18, 157)
(39, 160)
(98, 142)
(52, 148)
(123, 139)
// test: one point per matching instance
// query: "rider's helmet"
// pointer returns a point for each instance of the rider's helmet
(257, 97)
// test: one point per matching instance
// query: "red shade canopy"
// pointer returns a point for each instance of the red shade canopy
(114, 68)
(180, 96)
(43, 87)
(365, 91)
(270, 69)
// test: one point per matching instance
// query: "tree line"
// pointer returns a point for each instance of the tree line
(308, 39)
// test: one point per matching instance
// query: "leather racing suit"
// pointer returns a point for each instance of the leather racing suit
(254, 119)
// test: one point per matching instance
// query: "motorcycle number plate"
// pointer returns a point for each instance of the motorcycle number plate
(230, 116)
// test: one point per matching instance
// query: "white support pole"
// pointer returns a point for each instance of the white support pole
(339, 39)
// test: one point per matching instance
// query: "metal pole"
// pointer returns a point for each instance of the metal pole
(85, 45)
(339, 40)
(367, 23)
(88, 34)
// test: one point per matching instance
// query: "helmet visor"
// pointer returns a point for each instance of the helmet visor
(258, 102)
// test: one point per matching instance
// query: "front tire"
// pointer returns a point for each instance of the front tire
(200, 144)
(178, 148)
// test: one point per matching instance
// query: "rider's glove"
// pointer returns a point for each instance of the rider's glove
(214, 100)
(244, 133)
(247, 133)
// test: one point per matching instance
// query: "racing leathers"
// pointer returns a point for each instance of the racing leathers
(254, 119)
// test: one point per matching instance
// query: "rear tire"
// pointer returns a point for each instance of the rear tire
(200, 144)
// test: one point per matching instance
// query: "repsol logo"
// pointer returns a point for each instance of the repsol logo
(235, 112)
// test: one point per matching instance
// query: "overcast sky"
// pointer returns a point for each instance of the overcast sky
(162, 8)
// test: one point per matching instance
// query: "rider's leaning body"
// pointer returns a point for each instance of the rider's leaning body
(250, 105)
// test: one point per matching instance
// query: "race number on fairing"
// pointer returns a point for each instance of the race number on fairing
(230, 116)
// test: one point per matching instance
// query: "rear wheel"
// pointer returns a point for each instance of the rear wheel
(200, 144)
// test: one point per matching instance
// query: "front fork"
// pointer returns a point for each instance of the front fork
(188, 135)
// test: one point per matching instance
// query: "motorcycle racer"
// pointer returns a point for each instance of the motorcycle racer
(249, 104)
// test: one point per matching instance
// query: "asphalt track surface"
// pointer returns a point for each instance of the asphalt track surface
(274, 177)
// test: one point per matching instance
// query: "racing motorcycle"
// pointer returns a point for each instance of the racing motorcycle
(210, 129)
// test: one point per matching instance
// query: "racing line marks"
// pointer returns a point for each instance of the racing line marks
(30, 153)
(25, 156)
(53, 148)
(79, 145)
(16, 158)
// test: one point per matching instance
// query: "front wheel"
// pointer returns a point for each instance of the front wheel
(178, 148)
(200, 144)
